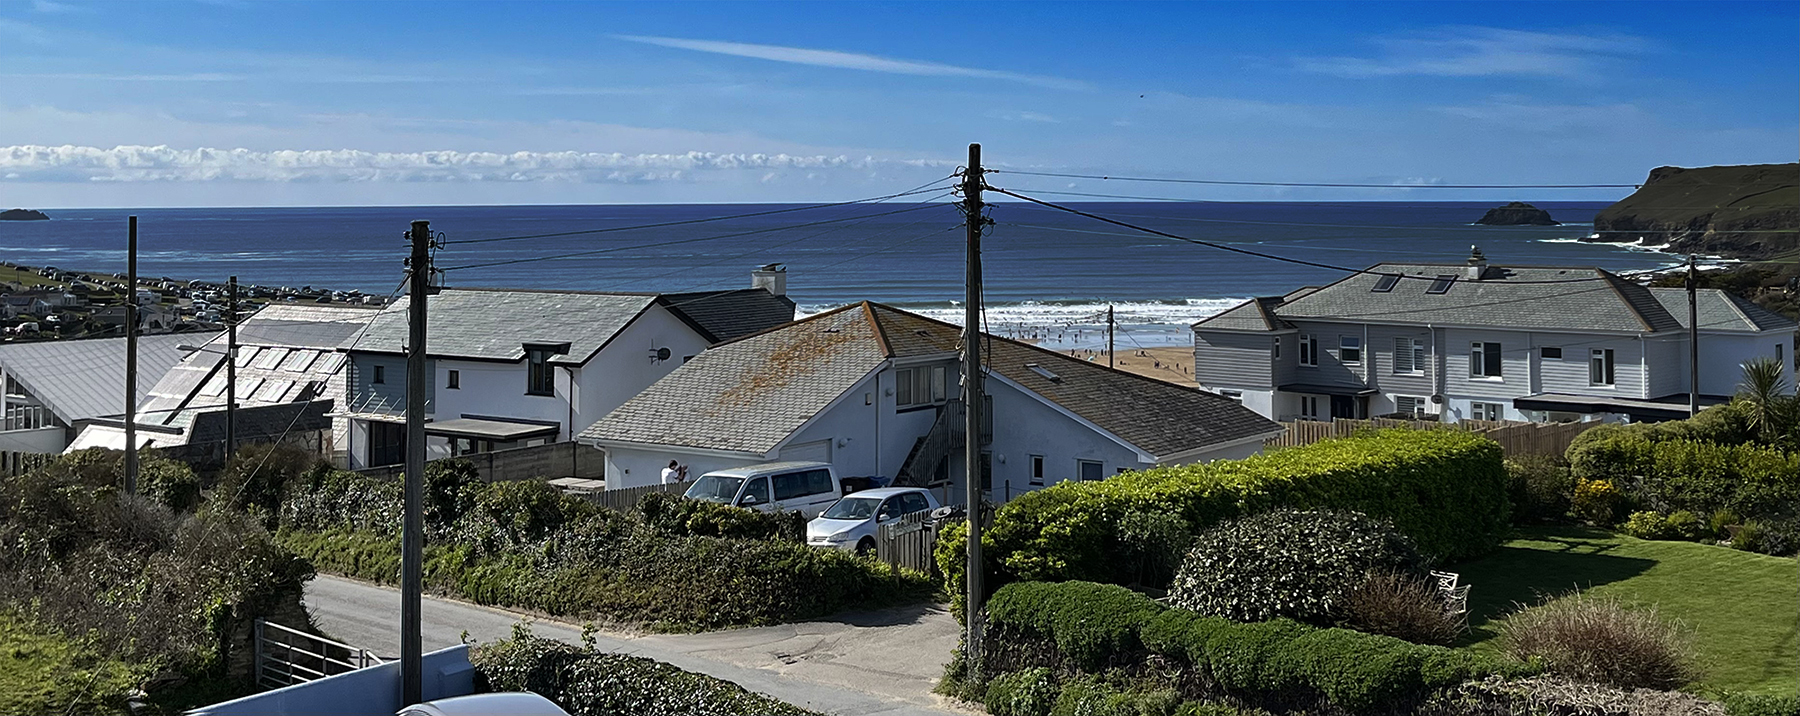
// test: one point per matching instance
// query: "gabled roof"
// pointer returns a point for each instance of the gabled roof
(1502, 298)
(724, 315)
(84, 379)
(1256, 314)
(286, 352)
(494, 324)
(1720, 310)
(751, 394)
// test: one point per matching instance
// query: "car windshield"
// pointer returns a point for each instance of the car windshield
(715, 488)
(853, 508)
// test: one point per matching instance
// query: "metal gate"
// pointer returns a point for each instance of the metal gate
(285, 656)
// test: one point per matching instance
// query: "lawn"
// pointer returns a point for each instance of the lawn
(26, 278)
(1741, 606)
(43, 672)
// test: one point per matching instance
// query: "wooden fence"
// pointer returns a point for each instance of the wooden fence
(19, 463)
(1514, 438)
(909, 542)
(627, 499)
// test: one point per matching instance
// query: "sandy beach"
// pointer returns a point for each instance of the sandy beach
(1174, 364)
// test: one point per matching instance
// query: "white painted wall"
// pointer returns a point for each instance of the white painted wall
(47, 441)
(1722, 357)
(635, 467)
(624, 369)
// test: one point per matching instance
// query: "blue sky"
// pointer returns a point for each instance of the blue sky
(243, 103)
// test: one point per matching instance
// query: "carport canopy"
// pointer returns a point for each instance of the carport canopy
(487, 429)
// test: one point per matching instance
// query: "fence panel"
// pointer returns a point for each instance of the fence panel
(907, 542)
(19, 463)
(627, 499)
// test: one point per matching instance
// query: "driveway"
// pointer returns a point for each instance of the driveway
(875, 662)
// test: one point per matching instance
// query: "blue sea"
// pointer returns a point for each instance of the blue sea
(1050, 275)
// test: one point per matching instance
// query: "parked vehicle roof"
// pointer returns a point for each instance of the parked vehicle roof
(769, 468)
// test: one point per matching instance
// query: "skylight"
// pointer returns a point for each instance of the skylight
(1386, 283)
(1040, 370)
(1441, 284)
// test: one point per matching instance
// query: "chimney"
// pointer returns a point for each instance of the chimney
(771, 278)
(1477, 264)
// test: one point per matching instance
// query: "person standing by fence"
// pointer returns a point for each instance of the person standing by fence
(674, 473)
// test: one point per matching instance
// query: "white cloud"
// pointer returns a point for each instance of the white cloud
(1024, 117)
(849, 61)
(194, 77)
(1481, 52)
(48, 7)
(136, 163)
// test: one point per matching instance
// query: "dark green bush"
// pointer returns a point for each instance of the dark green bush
(1288, 563)
(1540, 487)
(1155, 544)
(1445, 489)
(259, 474)
(677, 515)
(586, 682)
(1092, 624)
(1762, 704)
(1780, 538)
(1026, 692)
(1681, 465)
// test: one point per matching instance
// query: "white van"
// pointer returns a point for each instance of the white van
(804, 487)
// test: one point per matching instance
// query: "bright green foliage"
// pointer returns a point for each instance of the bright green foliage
(45, 672)
(1680, 524)
(1445, 489)
(1702, 477)
(1092, 624)
(1288, 563)
(1090, 696)
(677, 515)
(1026, 692)
(586, 682)
(1745, 704)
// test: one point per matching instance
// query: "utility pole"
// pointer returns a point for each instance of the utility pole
(1110, 362)
(131, 319)
(1693, 289)
(972, 400)
(231, 321)
(412, 547)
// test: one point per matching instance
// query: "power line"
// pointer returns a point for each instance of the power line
(1344, 185)
(922, 189)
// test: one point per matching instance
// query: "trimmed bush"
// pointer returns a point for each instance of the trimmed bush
(1401, 606)
(1288, 563)
(677, 515)
(1026, 692)
(1445, 489)
(1597, 639)
(1540, 487)
(1091, 696)
(1762, 704)
(586, 682)
(1093, 625)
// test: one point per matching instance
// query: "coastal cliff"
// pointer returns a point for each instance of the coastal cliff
(1743, 212)
(22, 215)
(1518, 213)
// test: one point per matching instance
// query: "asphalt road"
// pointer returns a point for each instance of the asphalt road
(878, 662)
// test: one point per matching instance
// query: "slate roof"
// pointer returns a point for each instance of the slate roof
(750, 395)
(84, 379)
(494, 324)
(1256, 314)
(1505, 297)
(724, 315)
(1720, 311)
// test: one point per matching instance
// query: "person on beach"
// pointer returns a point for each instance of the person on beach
(675, 472)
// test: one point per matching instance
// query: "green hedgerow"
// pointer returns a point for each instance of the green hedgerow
(1288, 563)
(1026, 692)
(1091, 696)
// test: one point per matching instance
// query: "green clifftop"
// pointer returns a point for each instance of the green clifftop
(1746, 212)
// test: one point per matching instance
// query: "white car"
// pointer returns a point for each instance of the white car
(803, 487)
(850, 523)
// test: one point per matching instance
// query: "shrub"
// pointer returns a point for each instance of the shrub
(1445, 489)
(1094, 697)
(1743, 704)
(1780, 538)
(586, 682)
(1750, 480)
(1717, 522)
(258, 476)
(1027, 692)
(1402, 606)
(1287, 563)
(677, 515)
(1648, 524)
(1597, 501)
(1539, 486)
(1092, 624)
(1597, 639)
(1550, 695)
(1155, 543)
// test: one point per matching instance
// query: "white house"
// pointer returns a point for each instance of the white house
(873, 390)
(516, 368)
(1477, 341)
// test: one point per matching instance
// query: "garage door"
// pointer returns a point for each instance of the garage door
(819, 451)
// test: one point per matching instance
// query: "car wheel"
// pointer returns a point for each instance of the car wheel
(866, 547)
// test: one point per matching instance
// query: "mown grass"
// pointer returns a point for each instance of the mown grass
(1740, 605)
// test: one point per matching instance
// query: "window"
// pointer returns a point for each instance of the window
(1441, 284)
(1484, 360)
(1487, 411)
(986, 466)
(1386, 283)
(1309, 350)
(539, 378)
(1037, 469)
(380, 375)
(924, 385)
(756, 493)
(1350, 349)
(795, 485)
(1090, 469)
(454, 382)
(1277, 354)
(1409, 356)
(1309, 406)
(1409, 405)
(1600, 367)
(1550, 352)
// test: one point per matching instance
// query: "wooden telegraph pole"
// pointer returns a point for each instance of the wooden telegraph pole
(412, 545)
(972, 404)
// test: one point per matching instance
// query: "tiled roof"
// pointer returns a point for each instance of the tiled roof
(724, 315)
(1257, 314)
(751, 394)
(82, 379)
(491, 324)
(1720, 310)
(1604, 302)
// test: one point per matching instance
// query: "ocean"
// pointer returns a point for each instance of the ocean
(1050, 275)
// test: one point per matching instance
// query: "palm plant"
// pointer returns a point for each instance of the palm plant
(1770, 407)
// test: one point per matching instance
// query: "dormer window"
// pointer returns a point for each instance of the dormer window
(1441, 284)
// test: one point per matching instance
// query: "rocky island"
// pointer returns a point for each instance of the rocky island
(1744, 212)
(1518, 213)
(23, 215)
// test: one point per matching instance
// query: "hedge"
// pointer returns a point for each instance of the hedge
(586, 682)
(1278, 664)
(1445, 489)
(1749, 480)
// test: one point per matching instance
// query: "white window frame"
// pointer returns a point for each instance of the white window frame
(1348, 345)
(1418, 404)
(1414, 350)
(1478, 352)
(1036, 465)
(1486, 411)
(1309, 351)
(1602, 368)
(1079, 473)
(920, 386)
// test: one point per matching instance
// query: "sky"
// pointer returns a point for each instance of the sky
(247, 103)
